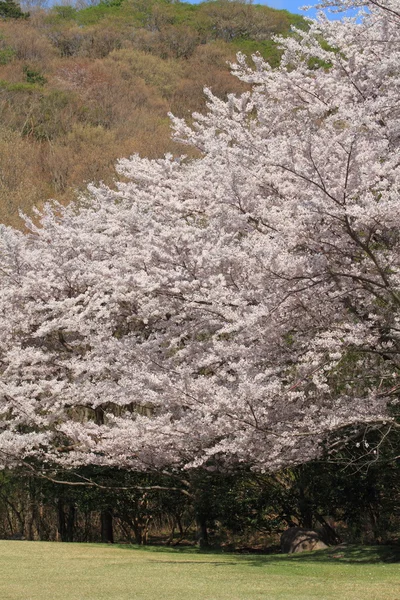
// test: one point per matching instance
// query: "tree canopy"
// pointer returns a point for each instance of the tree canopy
(9, 9)
(238, 307)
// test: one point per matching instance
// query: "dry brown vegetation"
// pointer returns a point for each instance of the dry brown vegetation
(81, 88)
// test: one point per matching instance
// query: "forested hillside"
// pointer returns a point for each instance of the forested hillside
(82, 88)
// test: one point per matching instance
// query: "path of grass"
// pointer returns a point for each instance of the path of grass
(50, 571)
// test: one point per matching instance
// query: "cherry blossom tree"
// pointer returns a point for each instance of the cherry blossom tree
(240, 307)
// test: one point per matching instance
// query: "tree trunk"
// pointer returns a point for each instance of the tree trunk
(107, 533)
(71, 523)
(305, 509)
(66, 521)
(202, 533)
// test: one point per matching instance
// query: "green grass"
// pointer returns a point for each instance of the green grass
(51, 571)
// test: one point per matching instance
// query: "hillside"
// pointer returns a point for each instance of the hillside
(81, 88)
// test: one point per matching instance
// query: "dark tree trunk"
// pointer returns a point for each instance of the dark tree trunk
(71, 523)
(305, 508)
(202, 533)
(330, 536)
(107, 533)
(66, 521)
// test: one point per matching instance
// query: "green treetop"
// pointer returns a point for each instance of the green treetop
(11, 10)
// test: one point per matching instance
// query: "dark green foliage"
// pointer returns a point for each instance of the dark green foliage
(33, 76)
(9, 9)
(237, 509)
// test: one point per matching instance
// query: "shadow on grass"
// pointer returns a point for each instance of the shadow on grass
(351, 554)
(345, 555)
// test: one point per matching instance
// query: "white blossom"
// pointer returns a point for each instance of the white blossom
(243, 306)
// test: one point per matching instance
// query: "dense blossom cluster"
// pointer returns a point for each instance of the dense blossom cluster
(243, 306)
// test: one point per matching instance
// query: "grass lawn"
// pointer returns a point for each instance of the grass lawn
(51, 571)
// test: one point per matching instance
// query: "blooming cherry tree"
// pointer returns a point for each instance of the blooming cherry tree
(240, 307)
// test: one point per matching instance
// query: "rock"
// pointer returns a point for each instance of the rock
(297, 539)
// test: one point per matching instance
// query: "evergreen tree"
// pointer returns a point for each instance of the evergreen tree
(9, 9)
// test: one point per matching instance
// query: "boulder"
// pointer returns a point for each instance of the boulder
(297, 539)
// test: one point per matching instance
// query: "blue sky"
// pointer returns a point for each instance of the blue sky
(292, 5)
